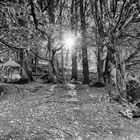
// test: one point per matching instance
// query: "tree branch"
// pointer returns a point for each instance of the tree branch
(114, 7)
(33, 13)
(57, 1)
(57, 49)
(39, 56)
(49, 2)
(9, 46)
(132, 55)
(130, 13)
(120, 17)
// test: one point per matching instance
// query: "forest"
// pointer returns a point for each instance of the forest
(69, 69)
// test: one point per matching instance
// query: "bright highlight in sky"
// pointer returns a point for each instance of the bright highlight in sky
(69, 40)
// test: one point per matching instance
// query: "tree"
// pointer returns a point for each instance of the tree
(112, 18)
(47, 8)
(99, 40)
(74, 22)
(15, 35)
(83, 6)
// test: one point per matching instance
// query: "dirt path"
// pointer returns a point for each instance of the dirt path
(62, 112)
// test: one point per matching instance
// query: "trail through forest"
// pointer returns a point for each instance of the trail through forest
(39, 111)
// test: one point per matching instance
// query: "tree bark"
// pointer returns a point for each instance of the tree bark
(100, 35)
(26, 66)
(62, 64)
(120, 75)
(21, 56)
(84, 45)
(52, 69)
(100, 61)
(62, 50)
(74, 27)
(36, 60)
(74, 67)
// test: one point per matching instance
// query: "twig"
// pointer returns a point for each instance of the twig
(63, 130)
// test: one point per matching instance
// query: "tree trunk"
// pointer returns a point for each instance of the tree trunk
(100, 65)
(55, 72)
(36, 61)
(25, 64)
(99, 33)
(49, 53)
(21, 56)
(117, 67)
(120, 75)
(74, 67)
(62, 64)
(28, 71)
(60, 37)
(99, 42)
(52, 68)
(84, 45)
(74, 27)
(36, 64)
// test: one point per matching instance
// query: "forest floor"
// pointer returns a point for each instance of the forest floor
(37, 111)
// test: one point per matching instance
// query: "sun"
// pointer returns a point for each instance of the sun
(69, 40)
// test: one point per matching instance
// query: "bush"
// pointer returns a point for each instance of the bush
(133, 91)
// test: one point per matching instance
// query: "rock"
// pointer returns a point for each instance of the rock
(69, 86)
(126, 113)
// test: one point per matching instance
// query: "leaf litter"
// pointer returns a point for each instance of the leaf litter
(39, 111)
